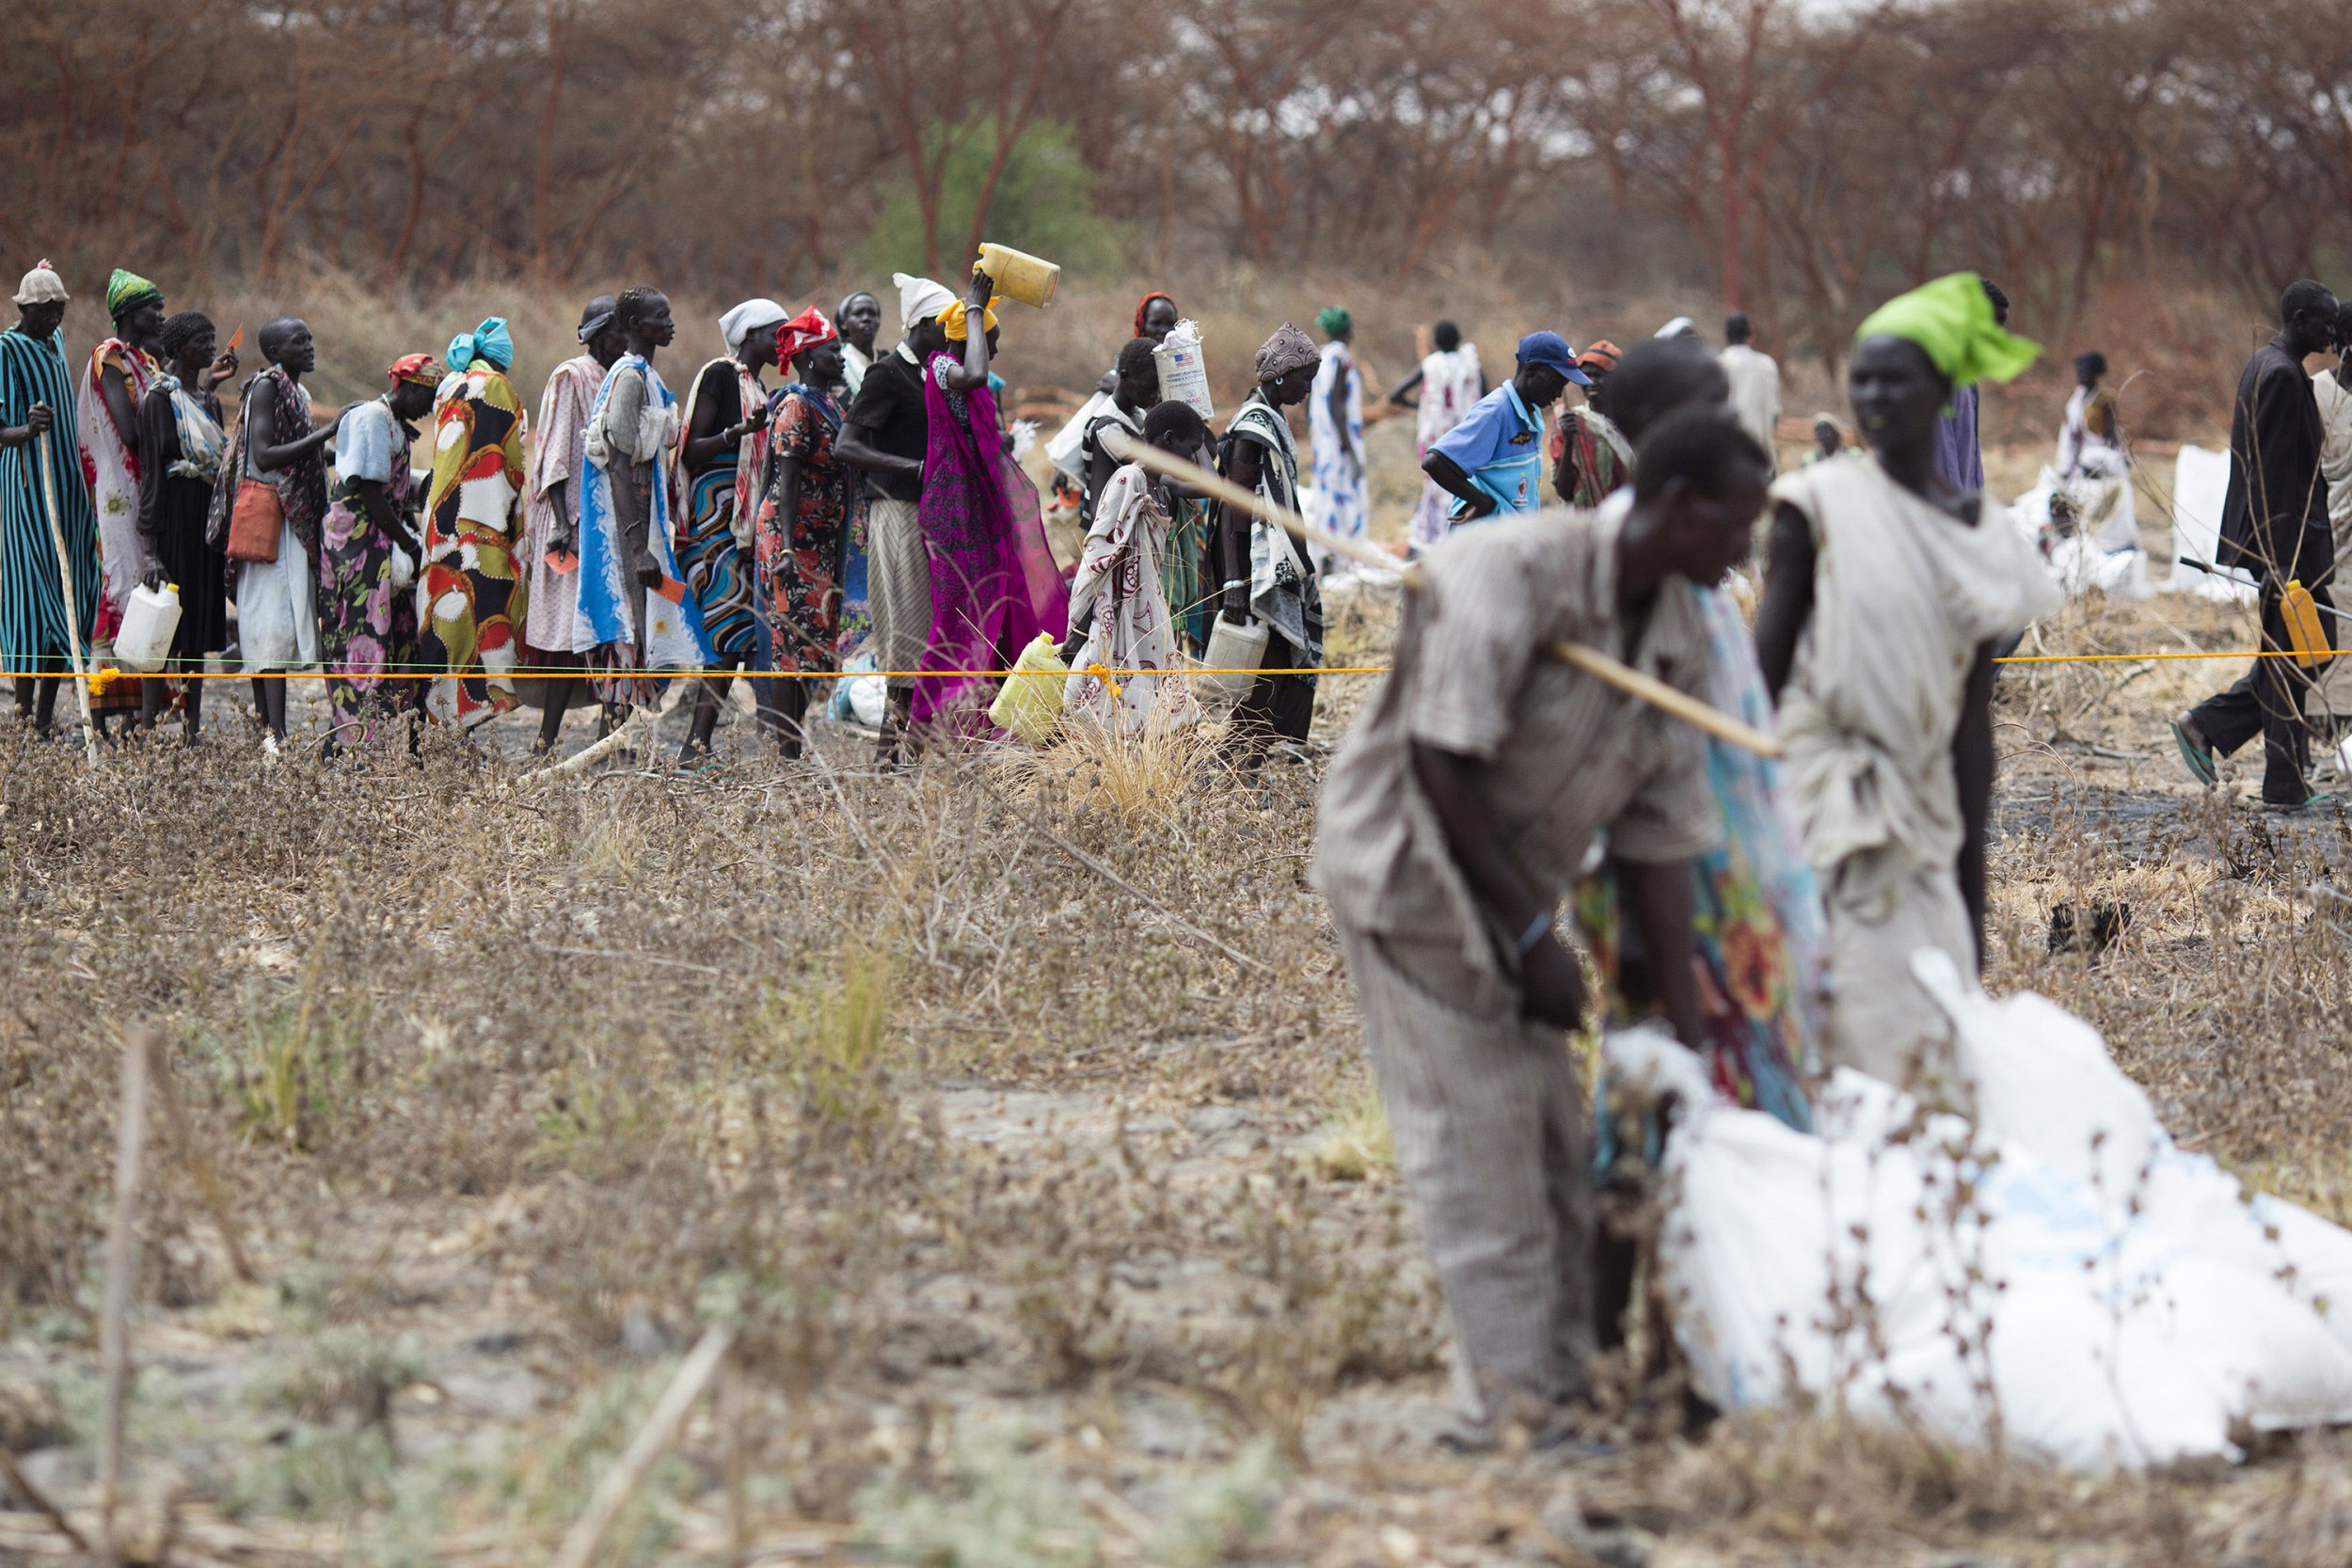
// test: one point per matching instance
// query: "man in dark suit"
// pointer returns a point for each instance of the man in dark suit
(2274, 525)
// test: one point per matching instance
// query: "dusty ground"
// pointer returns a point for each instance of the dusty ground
(1012, 1114)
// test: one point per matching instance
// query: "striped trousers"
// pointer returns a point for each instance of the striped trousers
(898, 588)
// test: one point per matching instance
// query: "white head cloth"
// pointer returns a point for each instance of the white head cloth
(1681, 327)
(42, 286)
(920, 299)
(749, 317)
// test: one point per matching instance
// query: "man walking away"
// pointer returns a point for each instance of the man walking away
(2274, 524)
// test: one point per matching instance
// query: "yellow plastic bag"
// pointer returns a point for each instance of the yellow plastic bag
(2305, 634)
(1029, 704)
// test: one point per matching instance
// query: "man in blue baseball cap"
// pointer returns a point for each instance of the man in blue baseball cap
(1493, 461)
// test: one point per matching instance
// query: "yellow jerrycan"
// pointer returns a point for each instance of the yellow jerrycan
(2306, 633)
(1020, 275)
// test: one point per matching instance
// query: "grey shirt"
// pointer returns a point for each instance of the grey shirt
(1566, 758)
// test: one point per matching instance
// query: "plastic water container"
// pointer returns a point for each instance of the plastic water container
(1030, 703)
(1020, 275)
(148, 622)
(1237, 653)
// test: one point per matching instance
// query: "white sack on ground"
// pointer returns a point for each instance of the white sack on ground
(1931, 1272)
(2201, 479)
(2041, 1078)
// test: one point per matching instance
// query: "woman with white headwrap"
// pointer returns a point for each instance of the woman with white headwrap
(725, 443)
(886, 437)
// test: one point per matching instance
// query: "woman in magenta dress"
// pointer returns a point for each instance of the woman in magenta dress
(995, 586)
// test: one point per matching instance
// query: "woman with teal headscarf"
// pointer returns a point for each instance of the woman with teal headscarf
(1887, 589)
(474, 591)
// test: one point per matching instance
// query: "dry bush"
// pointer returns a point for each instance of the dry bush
(589, 1064)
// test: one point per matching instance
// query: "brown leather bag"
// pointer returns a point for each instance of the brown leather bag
(256, 521)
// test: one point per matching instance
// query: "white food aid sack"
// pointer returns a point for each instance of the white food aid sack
(2041, 1078)
(1932, 1274)
(1184, 370)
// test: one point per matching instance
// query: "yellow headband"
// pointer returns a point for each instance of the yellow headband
(951, 320)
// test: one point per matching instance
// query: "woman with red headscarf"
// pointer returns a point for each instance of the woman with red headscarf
(806, 494)
(368, 558)
(1156, 318)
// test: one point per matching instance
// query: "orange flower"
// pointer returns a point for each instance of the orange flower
(1753, 966)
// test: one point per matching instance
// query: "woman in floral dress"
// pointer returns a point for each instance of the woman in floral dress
(366, 615)
(803, 526)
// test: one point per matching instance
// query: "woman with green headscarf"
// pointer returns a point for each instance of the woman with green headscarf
(1886, 590)
(1335, 425)
(106, 403)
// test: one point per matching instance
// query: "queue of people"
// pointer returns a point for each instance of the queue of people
(629, 537)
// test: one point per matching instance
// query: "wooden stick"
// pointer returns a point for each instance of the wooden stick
(620, 739)
(122, 1255)
(65, 581)
(620, 1484)
(1128, 449)
(1117, 880)
(733, 1398)
(1649, 688)
(22, 1484)
(1591, 660)
(208, 1183)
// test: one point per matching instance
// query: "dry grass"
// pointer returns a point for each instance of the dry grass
(1044, 1219)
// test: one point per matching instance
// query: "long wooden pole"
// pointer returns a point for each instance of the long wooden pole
(1591, 660)
(65, 581)
(620, 1484)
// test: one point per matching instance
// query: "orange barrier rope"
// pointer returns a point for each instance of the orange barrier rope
(542, 672)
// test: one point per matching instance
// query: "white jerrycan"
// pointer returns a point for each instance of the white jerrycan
(149, 621)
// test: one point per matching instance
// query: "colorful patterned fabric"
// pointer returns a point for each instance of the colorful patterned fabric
(367, 624)
(32, 598)
(993, 582)
(301, 485)
(1183, 582)
(800, 334)
(127, 290)
(714, 568)
(473, 593)
(1603, 456)
(1758, 933)
(710, 551)
(613, 605)
(800, 557)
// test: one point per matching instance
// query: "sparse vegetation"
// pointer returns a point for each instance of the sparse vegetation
(1039, 1218)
